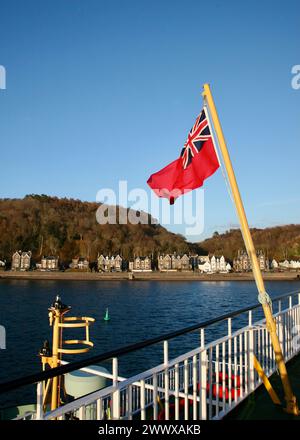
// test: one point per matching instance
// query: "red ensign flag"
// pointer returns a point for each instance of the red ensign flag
(197, 161)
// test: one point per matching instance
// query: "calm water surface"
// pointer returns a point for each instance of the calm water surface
(139, 310)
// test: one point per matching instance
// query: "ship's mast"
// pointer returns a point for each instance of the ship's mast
(263, 297)
(52, 357)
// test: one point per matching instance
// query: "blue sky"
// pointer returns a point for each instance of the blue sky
(102, 91)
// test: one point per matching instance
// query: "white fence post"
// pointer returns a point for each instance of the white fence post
(82, 413)
(251, 370)
(195, 386)
(143, 400)
(281, 332)
(155, 397)
(250, 318)
(203, 385)
(116, 393)
(186, 389)
(129, 402)
(166, 376)
(99, 409)
(202, 338)
(176, 392)
(39, 401)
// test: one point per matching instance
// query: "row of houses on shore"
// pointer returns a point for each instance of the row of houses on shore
(242, 263)
(285, 265)
(22, 261)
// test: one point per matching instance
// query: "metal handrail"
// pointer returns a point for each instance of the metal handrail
(72, 366)
(140, 380)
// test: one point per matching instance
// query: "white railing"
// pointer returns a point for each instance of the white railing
(204, 383)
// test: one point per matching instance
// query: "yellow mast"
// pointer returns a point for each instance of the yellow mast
(264, 299)
(57, 319)
(57, 312)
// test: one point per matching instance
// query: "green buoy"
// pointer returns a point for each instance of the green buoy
(106, 316)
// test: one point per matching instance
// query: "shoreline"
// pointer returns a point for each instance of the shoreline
(140, 276)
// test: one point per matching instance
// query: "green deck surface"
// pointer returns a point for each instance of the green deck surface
(259, 406)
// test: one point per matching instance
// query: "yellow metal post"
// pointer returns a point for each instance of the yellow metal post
(272, 393)
(291, 402)
(55, 358)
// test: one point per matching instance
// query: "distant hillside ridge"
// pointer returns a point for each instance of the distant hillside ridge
(279, 242)
(68, 228)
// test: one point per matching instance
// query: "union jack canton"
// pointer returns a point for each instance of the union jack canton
(198, 134)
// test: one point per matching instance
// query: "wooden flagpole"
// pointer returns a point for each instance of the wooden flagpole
(263, 297)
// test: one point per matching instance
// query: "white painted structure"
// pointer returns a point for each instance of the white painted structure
(48, 263)
(214, 265)
(109, 263)
(294, 264)
(286, 265)
(21, 260)
(228, 267)
(140, 264)
(80, 264)
(205, 268)
(193, 379)
(203, 258)
(173, 262)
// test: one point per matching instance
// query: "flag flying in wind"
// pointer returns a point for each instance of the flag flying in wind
(197, 161)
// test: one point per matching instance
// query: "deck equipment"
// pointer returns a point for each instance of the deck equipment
(53, 357)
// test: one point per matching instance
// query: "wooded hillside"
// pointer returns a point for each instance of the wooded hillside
(280, 242)
(68, 228)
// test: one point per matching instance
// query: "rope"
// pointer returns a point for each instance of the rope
(218, 153)
(264, 298)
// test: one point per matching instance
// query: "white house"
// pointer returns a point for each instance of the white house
(242, 262)
(222, 264)
(109, 264)
(203, 258)
(284, 264)
(205, 267)
(118, 263)
(166, 262)
(173, 262)
(294, 264)
(214, 265)
(48, 263)
(80, 263)
(103, 263)
(140, 264)
(21, 260)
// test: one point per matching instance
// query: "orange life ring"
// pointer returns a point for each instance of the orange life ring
(235, 386)
(235, 391)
